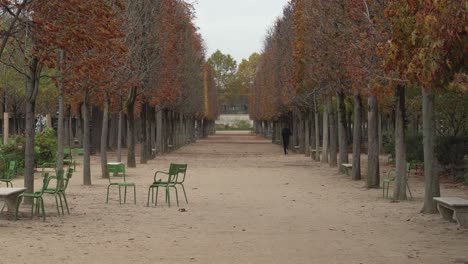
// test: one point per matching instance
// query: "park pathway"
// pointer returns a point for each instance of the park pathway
(248, 203)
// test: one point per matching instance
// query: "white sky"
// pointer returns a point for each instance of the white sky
(236, 27)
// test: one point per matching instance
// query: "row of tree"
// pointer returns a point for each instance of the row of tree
(330, 56)
(130, 60)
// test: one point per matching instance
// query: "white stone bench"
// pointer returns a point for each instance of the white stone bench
(451, 208)
(313, 151)
(347, 167)
(9, 195)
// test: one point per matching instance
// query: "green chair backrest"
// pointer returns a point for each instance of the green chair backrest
(45, 184)
(181, 170)
(173, 172)
(10, 172)
(78, 151)
(408, 168)
(114, 169)
(67, 153)
(66, 179)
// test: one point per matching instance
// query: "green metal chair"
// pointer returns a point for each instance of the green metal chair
(181, 178)
(120, 181)
(390, 178)
(68, 158)
(63, 188)
(55, 191)
(37, 199)
(9, 174)
(171, 182)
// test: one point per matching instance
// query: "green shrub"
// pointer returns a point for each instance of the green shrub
(414, 146)
(14, 150)
(46, 146)
(451, 150)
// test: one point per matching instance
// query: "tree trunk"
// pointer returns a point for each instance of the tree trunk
(104, 133)
(399, 190)
(143, 135)
(32, 87)
(119, 133)
(60, 129)
(317, 130)
(307, 134)
(86, 141)
(431, 179)
(325, 139)
(333, 136)
(79, 125)
(373, 173)
(131, 161)
(159, 131)
(356, 172)
(301, 133)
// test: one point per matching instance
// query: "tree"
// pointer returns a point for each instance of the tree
(428, 49)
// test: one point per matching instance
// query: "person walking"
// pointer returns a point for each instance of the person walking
(286, 133)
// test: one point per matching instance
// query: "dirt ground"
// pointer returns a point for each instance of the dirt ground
(248, 203)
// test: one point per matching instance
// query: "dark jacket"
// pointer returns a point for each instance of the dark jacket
(286, 132)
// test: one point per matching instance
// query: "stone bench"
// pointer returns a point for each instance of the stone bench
(451, 208)
(313, 151)
(347, 167)
(9, 195)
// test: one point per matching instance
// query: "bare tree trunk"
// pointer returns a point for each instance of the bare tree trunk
(86, 141)
(32, 87)
(325, 139)
(131, 161)
(104, 133)
(79, 125)
(317, 130)
(119, 133)
(380, 132)
(307, 134)
(60, 129)
(373, 173)
(143, 135)
(356, 173)
(333, 137)
(301, 132)
(431, 179)
(399, 190)
(342, 135)
(159, 131)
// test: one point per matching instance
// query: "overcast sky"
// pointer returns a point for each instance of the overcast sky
(236, 27)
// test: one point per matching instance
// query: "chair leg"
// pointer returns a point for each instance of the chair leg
(134, 194)
(409, 190)
(107, 200)
(168, 197)
(147, 202)
(156, 197)
(120, 199)
(57, 204)
(177, 196)
(125, 194)
(65, 200)
(43, 210)
(183, 189)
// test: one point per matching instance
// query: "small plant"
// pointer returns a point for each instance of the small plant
(14, 150)
(46, 146)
